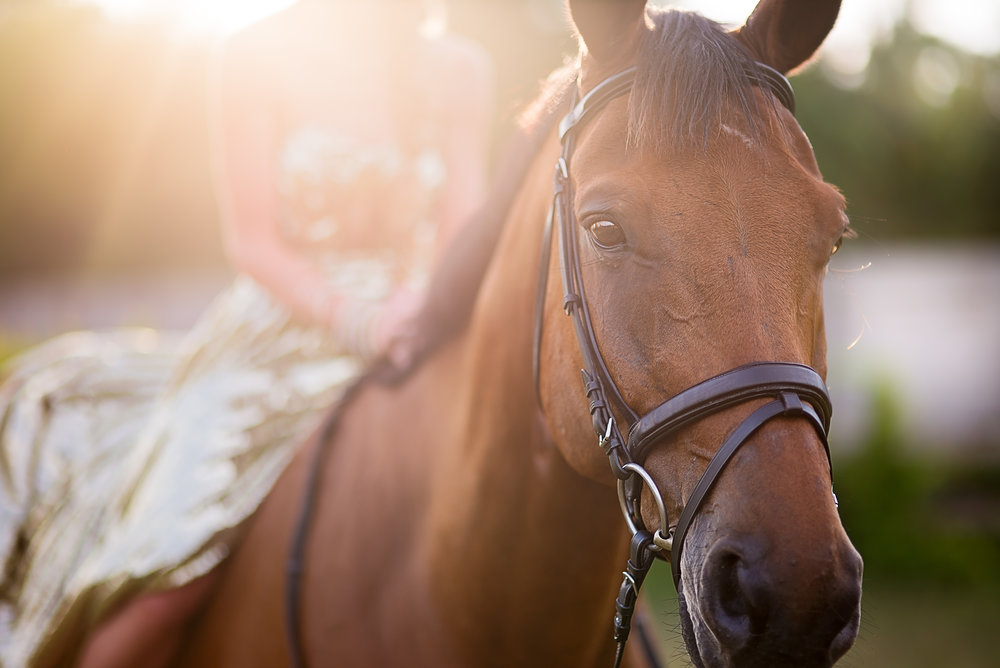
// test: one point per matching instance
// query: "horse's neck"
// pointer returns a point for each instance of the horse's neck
(518, 537)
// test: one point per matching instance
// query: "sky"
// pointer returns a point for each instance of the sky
(971, 24)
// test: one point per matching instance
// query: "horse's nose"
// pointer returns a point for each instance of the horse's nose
(783, 605)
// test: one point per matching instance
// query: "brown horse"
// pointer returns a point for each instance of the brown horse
(458, 522)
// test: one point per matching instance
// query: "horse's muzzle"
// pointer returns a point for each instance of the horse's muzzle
(764, 611)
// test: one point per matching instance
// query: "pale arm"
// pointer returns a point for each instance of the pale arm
(469, 109)
(468, 113)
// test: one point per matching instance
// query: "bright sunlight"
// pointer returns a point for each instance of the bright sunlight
(195, 16)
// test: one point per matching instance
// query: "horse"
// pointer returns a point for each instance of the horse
(468, 516)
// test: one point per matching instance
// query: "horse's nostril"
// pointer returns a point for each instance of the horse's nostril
(739, 598)
(797, 611)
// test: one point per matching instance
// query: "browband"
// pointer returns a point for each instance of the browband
(619, 84)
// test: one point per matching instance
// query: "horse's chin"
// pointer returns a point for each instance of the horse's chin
(703, 653)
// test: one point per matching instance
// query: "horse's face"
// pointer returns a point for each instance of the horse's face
(695, 265)
(696, 260)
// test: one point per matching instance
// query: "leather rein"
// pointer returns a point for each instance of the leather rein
(794, 389)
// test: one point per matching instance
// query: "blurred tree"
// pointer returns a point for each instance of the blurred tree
(103, 144)
(104, 158)
(916, 147)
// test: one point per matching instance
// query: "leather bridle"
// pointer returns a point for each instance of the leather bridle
(794, 389)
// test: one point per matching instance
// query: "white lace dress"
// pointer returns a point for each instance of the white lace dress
(127, 458)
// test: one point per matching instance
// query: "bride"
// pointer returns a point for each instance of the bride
(348, 145)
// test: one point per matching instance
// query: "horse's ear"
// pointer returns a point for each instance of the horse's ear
(607, 27)
(786, 33)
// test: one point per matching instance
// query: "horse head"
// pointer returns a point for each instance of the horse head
(701, 229)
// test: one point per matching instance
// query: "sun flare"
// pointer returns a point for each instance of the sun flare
(198, 16)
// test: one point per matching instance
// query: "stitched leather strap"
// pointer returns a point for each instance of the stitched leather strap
(751, 381)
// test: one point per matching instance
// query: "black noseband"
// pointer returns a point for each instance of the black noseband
(796, 391)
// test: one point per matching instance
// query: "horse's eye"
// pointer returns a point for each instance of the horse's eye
(607, 235)
(836, 246)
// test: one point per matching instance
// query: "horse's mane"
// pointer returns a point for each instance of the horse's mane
(689, 70)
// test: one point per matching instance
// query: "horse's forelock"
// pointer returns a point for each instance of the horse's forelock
(689, 71)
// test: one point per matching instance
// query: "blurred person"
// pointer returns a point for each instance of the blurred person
(348, 145)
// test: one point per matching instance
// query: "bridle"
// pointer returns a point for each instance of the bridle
(794, 389)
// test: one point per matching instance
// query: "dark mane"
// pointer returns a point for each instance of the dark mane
(689, 71)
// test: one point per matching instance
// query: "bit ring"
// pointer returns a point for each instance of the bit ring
(661, 541)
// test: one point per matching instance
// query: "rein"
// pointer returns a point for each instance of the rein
(382, 372)
(794, 389)
(295, 565)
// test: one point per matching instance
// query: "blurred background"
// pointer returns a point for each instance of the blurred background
(107, 218)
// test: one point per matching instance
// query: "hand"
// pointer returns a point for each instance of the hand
(394, 326)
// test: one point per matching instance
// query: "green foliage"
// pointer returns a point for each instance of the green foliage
(914, 157)
(104, 140)
(9, 347)
(915, 519)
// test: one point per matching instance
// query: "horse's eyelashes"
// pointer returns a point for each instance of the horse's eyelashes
(607, 235)
(848, 233)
